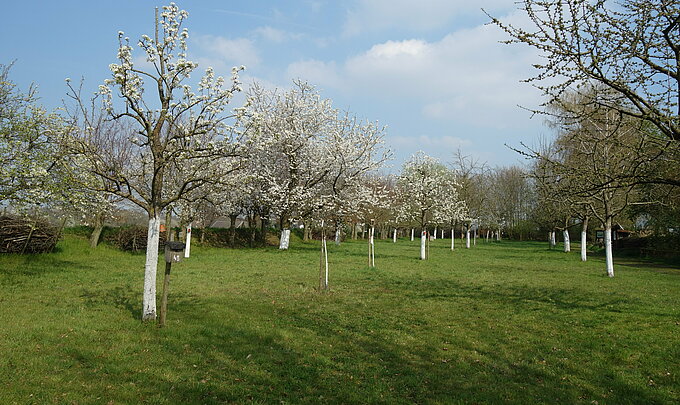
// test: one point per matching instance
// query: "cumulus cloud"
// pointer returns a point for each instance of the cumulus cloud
(466, 76)
(223, 53)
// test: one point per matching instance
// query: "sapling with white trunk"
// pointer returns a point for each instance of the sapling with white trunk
(584, 239)
(428, 194)
(187, 243)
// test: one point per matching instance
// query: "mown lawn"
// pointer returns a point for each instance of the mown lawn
(505, 322)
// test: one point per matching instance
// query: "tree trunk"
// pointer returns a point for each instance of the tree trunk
(584, 241)
(394, 236)
(232, 230)
(551, 239)
(567, 242)
(467, 238)
(474, 240)
(96, 231)
(608, 247)
(434, 235)
(338, 234)
(252, 226)
(498, 235)
(412, 232)
(453, 239)
(423, 238)
(150, 268)
(187, 245)
(371, 247)
(285, 239)
(264, 224)
(354, 231)
(323, 260)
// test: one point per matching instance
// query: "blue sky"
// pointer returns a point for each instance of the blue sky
(433, 71)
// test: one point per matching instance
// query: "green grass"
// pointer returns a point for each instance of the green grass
(499, 323)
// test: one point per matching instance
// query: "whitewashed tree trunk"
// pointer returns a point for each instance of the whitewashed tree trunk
(608, 247)
(434, 235)
(150, 268)
(487, 236)
(567, 241)
(552, 239)
(285, 239)
(498, 235)
(187, 246)
(372, 246)
(337, 236)
(467, 239)
(584, 240)
(323, 265)
(412, 232)
(474, 240)
(325, 256)
(453, 239)
(423, 238)
(394, 236)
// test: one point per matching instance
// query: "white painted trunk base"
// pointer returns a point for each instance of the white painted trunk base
(150, 268)
(325, 255)
(608, 250)
(584, 243)
(412, 231)
(187, 245)
(453, 239)
(372, 242)
(467, 239)
(423, 241)
(567, 242)
(285, 239)
(394, 236)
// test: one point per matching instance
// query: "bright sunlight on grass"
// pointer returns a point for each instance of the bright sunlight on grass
(503, 322)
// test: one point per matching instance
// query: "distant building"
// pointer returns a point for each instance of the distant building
(617, 233)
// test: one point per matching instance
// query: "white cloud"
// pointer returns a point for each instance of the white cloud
(222, 53)
(423, 15)
(276, 35)
(315, 72)
(466, 76)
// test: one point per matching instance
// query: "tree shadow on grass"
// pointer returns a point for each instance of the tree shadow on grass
(24, 267)
(236, 349)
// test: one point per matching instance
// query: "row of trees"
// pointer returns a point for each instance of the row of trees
(151, 139)
(611, 78)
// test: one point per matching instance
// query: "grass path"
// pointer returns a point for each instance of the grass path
(509, 322)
